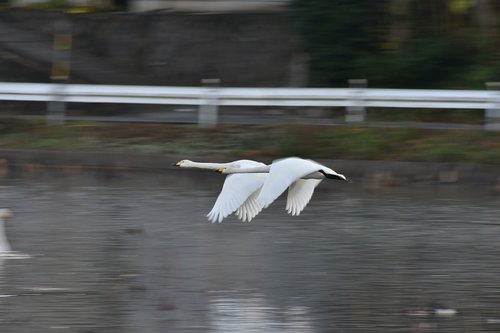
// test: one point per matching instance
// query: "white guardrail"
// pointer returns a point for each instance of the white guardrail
(355, 100)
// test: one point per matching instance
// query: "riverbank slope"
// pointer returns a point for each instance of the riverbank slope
(386, 157)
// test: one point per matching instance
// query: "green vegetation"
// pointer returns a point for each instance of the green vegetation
(450, 116)
(320, 142)
(64, 5)
(401, 43)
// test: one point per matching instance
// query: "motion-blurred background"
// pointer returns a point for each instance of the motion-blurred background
(151, 42)
(402, 44)
(274, 43)
(99, 97)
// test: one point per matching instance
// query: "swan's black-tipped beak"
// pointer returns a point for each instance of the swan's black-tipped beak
(220, 170)
(176, 164)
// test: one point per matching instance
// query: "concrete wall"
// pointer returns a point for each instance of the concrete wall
(177, 49)
(176, 5)
(92, 3)
(207, 5)
(372, 174)
(241, 49)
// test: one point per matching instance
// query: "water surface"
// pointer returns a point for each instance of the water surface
(137, 255)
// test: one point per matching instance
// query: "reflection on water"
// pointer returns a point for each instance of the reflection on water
(137, 255)
(237, 312)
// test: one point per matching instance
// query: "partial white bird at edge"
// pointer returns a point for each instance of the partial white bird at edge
(5, 248)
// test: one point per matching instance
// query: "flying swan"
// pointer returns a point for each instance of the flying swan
(244, 187)
(300, 176)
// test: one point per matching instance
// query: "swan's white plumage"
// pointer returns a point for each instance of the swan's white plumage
(299, 195)
(237, 195)
(4, 243)
(5, 249)
(282, 174)
(252, 186)
(238, 192)
(287, 172)
(250, 208)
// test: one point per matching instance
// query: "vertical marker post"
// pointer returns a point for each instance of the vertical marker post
(61, 68)
(356, 111)
(492, 114)
(208, 110)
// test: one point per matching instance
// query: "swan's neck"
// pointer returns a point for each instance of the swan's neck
(4, 243)
(261, 169)
(206, 165)
(265, 169)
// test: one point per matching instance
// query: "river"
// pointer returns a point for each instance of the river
(136, 254)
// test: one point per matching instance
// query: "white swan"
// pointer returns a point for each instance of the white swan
(300, 176)
(5, 249)
(238, 192)
(4, 243)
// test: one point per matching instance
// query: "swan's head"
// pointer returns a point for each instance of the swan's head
(330, 174)
(5, 213)
(184, 164)
(344, 178)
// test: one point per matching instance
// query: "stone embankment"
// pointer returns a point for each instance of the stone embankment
(34, 163)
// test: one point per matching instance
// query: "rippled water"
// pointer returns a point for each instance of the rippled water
(137, 255)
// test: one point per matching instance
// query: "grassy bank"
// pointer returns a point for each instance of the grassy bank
(259, 141)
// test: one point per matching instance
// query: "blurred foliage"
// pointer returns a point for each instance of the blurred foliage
(258, 142)
(450, 116)
(49, 5)
(64, 5)
(401, 43)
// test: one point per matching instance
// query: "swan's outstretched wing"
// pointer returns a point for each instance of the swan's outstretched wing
(250, 207)
(281, 175)
(299, 195)
(237, 194)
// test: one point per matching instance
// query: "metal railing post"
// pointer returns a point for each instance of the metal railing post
(61, 64)
(208, 110)
(492, 115)
(56, 108)
(356, 111)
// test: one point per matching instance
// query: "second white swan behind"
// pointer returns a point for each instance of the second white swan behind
(300, 176)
